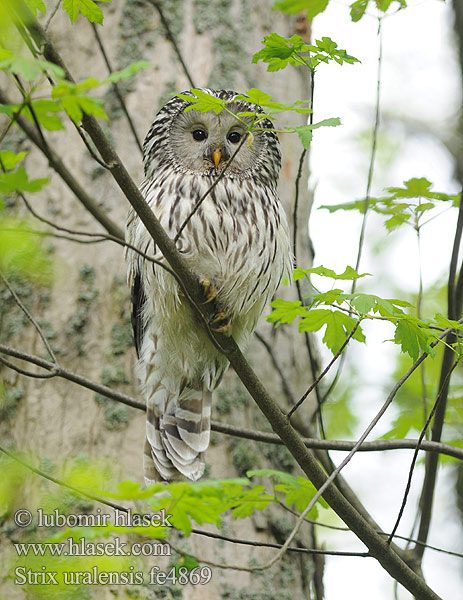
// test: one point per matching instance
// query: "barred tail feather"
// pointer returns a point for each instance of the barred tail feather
(177, 433)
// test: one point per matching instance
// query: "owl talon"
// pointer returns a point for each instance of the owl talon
(209, 290)
(220, 323)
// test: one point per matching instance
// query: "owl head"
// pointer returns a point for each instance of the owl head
(203, 142)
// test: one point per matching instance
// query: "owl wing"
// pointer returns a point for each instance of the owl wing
(138, 297)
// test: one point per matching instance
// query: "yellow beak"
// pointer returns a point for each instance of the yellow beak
(217, 155)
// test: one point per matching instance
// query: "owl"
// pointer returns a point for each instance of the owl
(238, 244)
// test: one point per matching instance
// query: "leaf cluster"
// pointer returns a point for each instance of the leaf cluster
(344, 313)
(313, 8)
(279, 52)
(402, 205)
(208, 501)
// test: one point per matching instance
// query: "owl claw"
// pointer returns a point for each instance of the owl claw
(220, 323)
(209, 290)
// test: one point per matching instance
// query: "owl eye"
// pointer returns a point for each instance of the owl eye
(199, 135)
(234, 137)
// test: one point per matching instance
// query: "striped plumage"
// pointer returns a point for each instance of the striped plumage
(238, 239)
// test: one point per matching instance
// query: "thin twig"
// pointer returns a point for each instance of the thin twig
(286, 386)
(372, 154)
(57, 165)
(91, 151)
(64, 373)
(13, 367)
(367, 193)
(218, 536)
(30, 317)
(52, 14)
(325, 371)
(173, 41)
(100, 237)
(210, 188)
(116, 88)
(417, 449)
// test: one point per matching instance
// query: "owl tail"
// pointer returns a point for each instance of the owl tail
(177, 433)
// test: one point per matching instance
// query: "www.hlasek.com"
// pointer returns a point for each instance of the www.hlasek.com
(82, 547)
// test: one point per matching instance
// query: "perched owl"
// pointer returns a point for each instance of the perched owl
(237, 240)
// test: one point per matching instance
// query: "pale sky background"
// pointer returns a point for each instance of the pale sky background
(419, 82)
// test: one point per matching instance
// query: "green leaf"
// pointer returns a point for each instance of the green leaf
(285, 311)
(397, 221)
(349, 273)
(327, 297)
(203, 101)
(45, 111)
(292, 7)
(338, 327)
(254, 499)
(74, 102)
(445, 323)
(412, 338)
(129, 71)
(356, 205)
(366, 303)
(29, 68)
(357, 10)
(305, 131)
(10, 159)
(87, 8)
(18, 181)
(279, 52)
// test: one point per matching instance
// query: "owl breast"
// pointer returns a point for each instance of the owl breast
(238, 238)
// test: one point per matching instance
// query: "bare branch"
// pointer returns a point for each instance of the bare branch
(60, 371)
(284, 381)
(325, 371)
(172, 40)
(116, 88)
(30, 317)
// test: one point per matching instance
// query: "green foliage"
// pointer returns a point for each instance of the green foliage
(279, 52)
(29, 68)
(421, 200)
(22, 252)
(305, 131)
(359, 7)
(412, 334)
(71, 98)
(349, 273)
(87, 8)
(292, 7)
(205, 102)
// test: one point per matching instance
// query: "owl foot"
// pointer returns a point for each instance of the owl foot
(220, 323)
(209, 290)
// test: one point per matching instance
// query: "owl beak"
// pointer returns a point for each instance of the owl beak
(217, 155)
